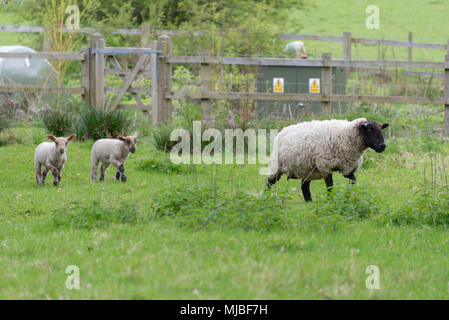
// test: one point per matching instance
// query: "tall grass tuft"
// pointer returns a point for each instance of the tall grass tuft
(98, 123)
(58, 122)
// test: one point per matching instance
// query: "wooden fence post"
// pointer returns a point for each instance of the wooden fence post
(47, 42)
(96, 72)
(326, 83)
(206, 85)
(347, 50)
(145, 42)
(446, 94)
(162, 107)
(410, 49)
(85, 74)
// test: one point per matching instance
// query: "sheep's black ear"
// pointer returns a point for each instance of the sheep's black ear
(363, 125)
(385, 125)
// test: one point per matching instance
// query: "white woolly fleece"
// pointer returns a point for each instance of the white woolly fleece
(313, 150)
(108, 151)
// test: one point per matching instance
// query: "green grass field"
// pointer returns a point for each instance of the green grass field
(426, 19)
(170, 257)
(213, 232)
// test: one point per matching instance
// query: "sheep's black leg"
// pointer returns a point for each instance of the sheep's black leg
(351, 177)
(329, 182)
(305, 188)
(273, 179)
(117, 175)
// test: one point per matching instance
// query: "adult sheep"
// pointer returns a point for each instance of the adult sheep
(313, 150)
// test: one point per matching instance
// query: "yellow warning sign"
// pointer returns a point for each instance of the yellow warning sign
(314, 85)
(278, 85)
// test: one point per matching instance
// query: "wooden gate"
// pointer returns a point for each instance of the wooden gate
(145, 68)
(150, 63)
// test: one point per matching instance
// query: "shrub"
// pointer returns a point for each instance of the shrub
(58, 122)
(5, 120)
(8, 111)
(350, 203)
(22, 135)
(99, 123)
(197, 207)
(95, 215)
(161, 137)
(425, 208)
(160, 163)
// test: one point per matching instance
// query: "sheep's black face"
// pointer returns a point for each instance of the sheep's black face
(372, 136)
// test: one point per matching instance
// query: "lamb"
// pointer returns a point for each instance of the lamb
(112, 151)
(313, 150)
(298, 47)
(51, 155)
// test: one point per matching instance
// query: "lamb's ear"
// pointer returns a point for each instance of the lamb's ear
(122, 138)
(51, 137)
(136, 134)
(71, 137)
(385, 125)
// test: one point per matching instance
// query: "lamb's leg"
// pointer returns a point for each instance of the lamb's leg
(305, 188)
(94, 171)
(44, 176)
(38, 174)
(273, 179)
(329, 182)
(103, 169)
(117, 176)
(55, 173)
(351, 177)
(122, 173)
(60, 173)
(120, 170)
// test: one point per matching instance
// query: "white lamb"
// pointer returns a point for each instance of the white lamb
(313, 150)
(112, 151)
(297, 46)
(51, 155)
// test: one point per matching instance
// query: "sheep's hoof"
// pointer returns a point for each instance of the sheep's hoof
(123, 179)
(55, 183)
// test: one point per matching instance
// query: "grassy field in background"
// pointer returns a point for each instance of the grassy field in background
(166, 257)
(427, 20)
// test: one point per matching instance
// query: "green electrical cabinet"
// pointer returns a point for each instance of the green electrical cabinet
(295, 80)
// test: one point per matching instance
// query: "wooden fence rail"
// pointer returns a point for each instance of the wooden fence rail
(156, 63)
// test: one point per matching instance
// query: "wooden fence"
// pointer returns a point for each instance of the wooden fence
(346, 39)
(157, 63)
